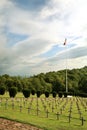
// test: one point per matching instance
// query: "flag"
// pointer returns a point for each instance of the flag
(65, 41)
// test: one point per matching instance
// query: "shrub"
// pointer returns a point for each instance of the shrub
(71, 93)
(12, 91)
(46, 94)
(2, 90)
(82, 94)
(26, 93)
(38, 93)
(54, 94)
(65, 94)
(60, 94)
(33, 91)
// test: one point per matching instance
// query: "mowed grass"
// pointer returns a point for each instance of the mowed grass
(48, 114)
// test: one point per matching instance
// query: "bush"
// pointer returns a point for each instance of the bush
(60, 94)
(71, 93)
(82, 94)
(2, 90)
(38, 93)
(65, 94)
(46, 94)
(33, 91)
(54, 94)
(26, 93)
(12, 91)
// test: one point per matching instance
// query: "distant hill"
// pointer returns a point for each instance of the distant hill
(50, 81)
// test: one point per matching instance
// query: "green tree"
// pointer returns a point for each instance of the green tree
(37, 84)
(12, 91)
(26, 93)
(33, 91)
(54, 94)
(58, 85)
(2, 90)
(48, 87)
(9, 83)
(46, 94)
(83, 84)
(38, 93)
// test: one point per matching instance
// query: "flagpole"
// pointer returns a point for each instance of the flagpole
(66, 72)
(66, 80)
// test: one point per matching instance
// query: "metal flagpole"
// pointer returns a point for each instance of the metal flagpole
(66, 73)
(66, 82)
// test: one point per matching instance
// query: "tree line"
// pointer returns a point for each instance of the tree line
(50, 82)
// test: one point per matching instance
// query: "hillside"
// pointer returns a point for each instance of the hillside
(51, 81)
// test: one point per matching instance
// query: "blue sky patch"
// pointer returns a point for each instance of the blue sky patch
(52, 52)
(32, 5)
(56, 49)
(14, 38)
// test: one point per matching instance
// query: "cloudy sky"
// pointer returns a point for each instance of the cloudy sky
(32, 33)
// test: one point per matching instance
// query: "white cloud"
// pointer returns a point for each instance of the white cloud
(45, 28)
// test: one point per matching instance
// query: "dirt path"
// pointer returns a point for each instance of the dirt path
(13, 125)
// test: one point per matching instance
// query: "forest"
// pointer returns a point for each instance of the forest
(48, 82)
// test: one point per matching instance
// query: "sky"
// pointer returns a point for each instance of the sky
(32, 35)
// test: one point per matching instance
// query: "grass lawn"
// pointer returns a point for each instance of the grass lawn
(49, 114)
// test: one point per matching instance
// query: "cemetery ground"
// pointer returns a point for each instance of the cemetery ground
(46, 113)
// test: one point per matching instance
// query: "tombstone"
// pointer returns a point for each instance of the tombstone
(63, 107)
(12, 105)
(57, 115)
(6, 105)
(20, 108)
(37, 105)
(61, 111)
(85, 108)
(49, 105)
(70, 111)
(29, 110)
(45, 107)
(12, 100)
(80, 114)
(69, 117)
(56, 106)
(82, 120)
(47, 113)
(37, 111)
(52, 109)
(6, 99)
(18, 101)
(24, 103)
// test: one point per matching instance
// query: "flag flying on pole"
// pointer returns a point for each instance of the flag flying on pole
(65, 41)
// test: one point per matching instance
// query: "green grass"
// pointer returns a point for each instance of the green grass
(40, 118)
